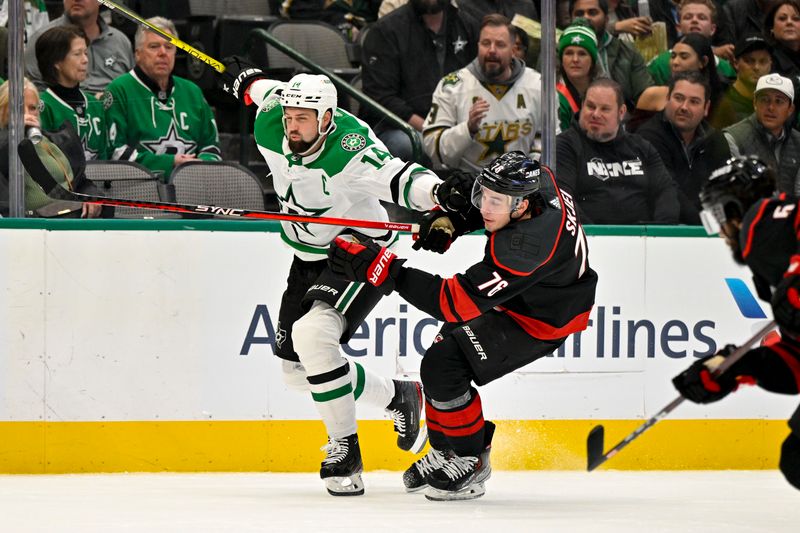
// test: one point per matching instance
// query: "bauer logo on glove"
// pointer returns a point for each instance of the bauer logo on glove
(365, 262)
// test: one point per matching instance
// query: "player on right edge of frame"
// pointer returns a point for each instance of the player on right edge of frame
(763, 233)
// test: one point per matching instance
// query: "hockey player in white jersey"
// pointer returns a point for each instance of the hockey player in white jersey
(325, 161)
(490, 107)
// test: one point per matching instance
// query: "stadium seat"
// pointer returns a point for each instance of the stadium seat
(320, 42)
(126, 180)
(218, 183)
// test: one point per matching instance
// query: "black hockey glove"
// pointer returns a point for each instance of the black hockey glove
(238, 76)
(454, 194)
(438, 230)
(366, 262)
(698, 385)
(786, 299)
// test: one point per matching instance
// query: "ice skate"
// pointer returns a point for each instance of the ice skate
(462, 477)
(415, 477)
(406, 411)
(341, 469)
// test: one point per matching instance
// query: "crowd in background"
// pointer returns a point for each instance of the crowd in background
(638, 130)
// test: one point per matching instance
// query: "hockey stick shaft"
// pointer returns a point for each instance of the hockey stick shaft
(595, 461)
(124, 11)
(34, 166)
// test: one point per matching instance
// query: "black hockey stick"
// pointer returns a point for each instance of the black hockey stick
(38, 171)
(594, 442)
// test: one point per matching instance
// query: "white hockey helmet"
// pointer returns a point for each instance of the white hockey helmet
(311, 91)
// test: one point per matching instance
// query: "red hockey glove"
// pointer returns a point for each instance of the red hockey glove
(698, 385)
(366, 262)
(454, 193)
(238, 76)
(786, 299)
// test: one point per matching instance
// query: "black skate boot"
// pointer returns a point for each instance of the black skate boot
(415, 477)
(406, 411)
(342, 467)
(462, 477)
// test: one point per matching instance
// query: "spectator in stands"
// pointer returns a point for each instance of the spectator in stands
(477, 9)
(521, 44)
(753, 60)
(155, 118)
(488, 108)
(577, 67)
(766, 133)
(741, 18)
(110, 52)
(692, 52)
(335, 12)
(689, 147)
(623, 19)
(37, 203)
(782, 27)
(616, 177)
(619, 60)
(61, 54)
(36, 16)
(406, 54)
(695, 16)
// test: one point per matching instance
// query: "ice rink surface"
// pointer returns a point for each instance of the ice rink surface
(603, 501)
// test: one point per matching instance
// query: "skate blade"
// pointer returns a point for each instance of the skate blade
(422, 439)
(345, 485)
(476, 490)
(412, 490)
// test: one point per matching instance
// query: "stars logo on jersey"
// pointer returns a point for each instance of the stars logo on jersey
(289, 204)
(459, 44)
(269, 104)
(353, 142)
(451, 79)
(171, 143)
(110, 61)
(108, 100)
(493, 147)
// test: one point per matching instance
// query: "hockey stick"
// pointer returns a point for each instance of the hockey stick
(594, 442)
(38, 171)
(122, 10)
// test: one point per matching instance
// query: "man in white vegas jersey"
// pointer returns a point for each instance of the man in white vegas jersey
(326, 162)
(490, 107)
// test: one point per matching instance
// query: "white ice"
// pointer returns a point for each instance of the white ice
(603, 501)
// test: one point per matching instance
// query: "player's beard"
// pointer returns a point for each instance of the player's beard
(301, 146)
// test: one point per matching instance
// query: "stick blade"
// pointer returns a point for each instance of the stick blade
(36, 168)
(594, 447)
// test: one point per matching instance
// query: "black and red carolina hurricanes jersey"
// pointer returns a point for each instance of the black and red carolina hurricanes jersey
(536, 271)
(769, 238)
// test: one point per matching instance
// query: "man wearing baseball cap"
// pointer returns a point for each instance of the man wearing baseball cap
(766, 133)
(753, 60)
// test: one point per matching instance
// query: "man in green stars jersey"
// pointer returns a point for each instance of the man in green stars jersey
(155, 118)
(325, 161)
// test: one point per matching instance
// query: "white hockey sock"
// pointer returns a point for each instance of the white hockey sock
(369, 387)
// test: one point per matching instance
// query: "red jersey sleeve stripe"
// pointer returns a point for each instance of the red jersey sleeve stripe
(544, 331)
(444, 305)
(752, 228)
(464, 306)
(791, 362)
(555, 243)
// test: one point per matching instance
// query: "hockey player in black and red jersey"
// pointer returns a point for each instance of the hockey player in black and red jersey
(532, 289)
(763, 232)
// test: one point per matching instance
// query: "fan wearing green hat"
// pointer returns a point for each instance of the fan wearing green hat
(577, 67)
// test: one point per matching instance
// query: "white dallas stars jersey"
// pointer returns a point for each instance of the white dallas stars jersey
(345, 178)
(512, 122)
